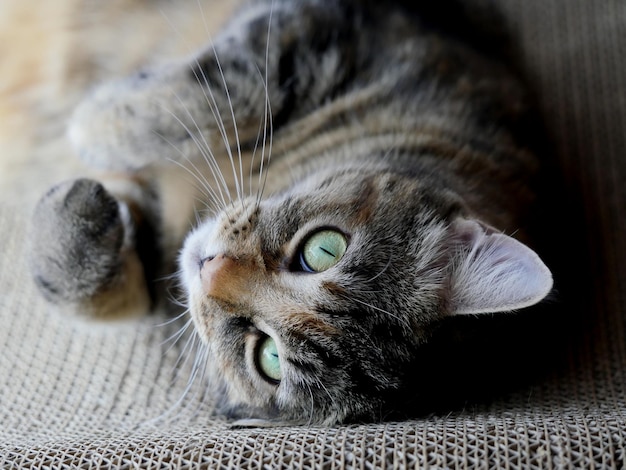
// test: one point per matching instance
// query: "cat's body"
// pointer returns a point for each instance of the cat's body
(399, 161)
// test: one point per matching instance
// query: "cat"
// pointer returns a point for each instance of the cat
(361, 171)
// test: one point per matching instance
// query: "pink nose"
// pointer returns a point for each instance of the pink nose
(223, 278)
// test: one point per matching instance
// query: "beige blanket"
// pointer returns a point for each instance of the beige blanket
(114, 396)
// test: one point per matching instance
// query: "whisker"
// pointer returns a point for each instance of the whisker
(212, 103)
(260, 131)
(239, 181)
(179, 297)
(198, 373)
(200, 356)
(205, 185)
(232, 111)
(312, 408)
(267, 121)
(177, 336)
(206, 189)
(203, 359)
(321, 385)
(221, 126)
(190, 344)
(171, 320)
(213, 107)
(173, 300)
(382, 270)
(267, 115)
(402, 321)
(198, 217)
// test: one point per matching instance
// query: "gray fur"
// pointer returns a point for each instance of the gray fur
(406, 140)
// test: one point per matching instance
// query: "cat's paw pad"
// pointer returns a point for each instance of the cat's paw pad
(77, 235)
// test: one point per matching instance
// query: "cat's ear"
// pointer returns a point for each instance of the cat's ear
(492, 272)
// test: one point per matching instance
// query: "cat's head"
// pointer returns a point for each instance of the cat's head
(313, 302)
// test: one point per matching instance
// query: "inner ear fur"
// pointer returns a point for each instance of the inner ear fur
(493, 272)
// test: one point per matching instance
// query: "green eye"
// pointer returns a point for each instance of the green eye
(268, 359)
(323, 250)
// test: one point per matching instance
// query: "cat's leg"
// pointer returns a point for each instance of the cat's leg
(275, 59)
(94, 250)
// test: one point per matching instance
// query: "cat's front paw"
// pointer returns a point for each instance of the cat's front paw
(79, 247)
(76, 238)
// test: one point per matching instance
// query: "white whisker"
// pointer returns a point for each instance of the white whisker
(209, 158)
(268, 118)
(177, 336)
(200, 357)
(212, 103)
(254, 152)
(267, 121)
(312, 409)
(321, 385)
(183, 355)
(205, 188)
(382, 271)
(238, 181)
(171, 320)
(402, 321)
(221, 126)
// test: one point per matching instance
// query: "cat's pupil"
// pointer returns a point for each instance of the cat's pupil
(323, 250)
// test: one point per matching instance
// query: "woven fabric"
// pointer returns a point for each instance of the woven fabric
(72, 395)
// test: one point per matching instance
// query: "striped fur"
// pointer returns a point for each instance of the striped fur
(410, 141)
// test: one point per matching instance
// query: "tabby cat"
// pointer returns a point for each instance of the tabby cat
(360, 171)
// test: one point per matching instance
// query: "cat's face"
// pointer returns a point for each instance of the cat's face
(312, 302)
